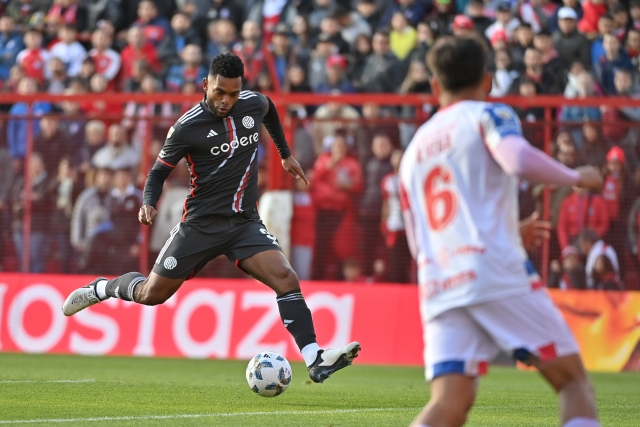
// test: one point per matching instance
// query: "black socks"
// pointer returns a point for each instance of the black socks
(123, 287)
(296, 317)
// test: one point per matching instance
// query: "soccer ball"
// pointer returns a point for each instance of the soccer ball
(269, 374)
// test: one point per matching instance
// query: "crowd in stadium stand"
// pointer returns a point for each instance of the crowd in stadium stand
(85, 167)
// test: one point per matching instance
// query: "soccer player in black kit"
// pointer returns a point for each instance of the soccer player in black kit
(219, 139)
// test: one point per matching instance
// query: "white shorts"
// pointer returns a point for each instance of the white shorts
(463, 340)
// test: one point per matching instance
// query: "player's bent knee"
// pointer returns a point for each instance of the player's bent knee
(151, 296)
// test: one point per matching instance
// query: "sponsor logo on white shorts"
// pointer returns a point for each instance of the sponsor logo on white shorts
(170, 263)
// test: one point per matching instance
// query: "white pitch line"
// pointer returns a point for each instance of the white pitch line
(45, 381)
(184, 416)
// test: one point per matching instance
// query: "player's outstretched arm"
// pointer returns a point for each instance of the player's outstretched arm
(152, 191)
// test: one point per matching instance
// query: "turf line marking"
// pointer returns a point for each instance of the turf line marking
(45, 381)
(183, 416)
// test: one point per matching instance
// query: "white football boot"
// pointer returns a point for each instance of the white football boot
(331, 360)
(82, 298)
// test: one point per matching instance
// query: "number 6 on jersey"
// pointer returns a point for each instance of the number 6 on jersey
(440, 200)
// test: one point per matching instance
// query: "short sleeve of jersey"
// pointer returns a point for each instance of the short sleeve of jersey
(176, 146)
(497, 122)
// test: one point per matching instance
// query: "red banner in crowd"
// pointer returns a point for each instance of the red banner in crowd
(235, 319)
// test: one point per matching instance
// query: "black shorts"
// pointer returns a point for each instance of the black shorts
(194, 243)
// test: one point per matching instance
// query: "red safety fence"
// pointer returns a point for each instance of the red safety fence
(53, 223)
(236, 319)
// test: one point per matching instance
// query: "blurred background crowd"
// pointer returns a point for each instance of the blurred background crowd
(85, 173)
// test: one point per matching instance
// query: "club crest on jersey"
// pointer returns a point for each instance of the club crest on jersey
(247, 121)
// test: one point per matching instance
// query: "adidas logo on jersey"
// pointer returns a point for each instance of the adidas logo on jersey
(212, 133)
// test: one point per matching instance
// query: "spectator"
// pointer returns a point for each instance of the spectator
(528, 89)
(370, 11)
(336, 76)
(109, 112)
(620, 21)
(504, 75)
(321, 9)
(632, 46)
(190, 70)
(592, 11)
(371, 203)
(538, 14)
(505, 21)
(550, 59)
(94, 140)
(578, 211)
(68, 12)
(69, 50)
(27, 13)
(352, 24)
(58, 79)
(382, 70)
(125, 201)
(281, 51)
(136, 50)
(60, 226)
(585, 86)
(117, 154)
(633, 230)
(102, 11)
(462, 25)
(605, 26)
(440, 20)
(10, 45)
(337, 179)
(222, 36)
(568, 273)
(413, 10)
(571, 89)
(106, 60)
(594, 147)
(593, 247)
(226, 10)
(137, 115)
(250, 51)
(352, 272)
(475, 10)
(327, 128)
(570, 44)
(317, 71)
(623, 82)
(534, 71)
(403, 38)
(634, 13)
(303, 231)
(72, 123)
(376, 123)
(180, 34)
(155, 27)
(523, 39)
(17, 127)
(140, 69)
(330, 28)
(302, 45)
(16, 74)
(52, 144)
(605, 66)
(41, 202)
(90, 210)
(34, 59)
(571, 4)
(614, 193)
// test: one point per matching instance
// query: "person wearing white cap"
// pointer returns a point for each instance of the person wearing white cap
(571, 45)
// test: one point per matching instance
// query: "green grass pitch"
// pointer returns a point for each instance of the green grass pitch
(114, 391)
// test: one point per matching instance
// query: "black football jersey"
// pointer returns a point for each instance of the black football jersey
(222, 156)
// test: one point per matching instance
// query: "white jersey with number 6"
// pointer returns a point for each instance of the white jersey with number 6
(462, 209)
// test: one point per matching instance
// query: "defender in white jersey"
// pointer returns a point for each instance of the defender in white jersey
(479, 293)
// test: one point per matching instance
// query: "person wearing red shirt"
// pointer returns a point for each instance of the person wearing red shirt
(106, 60)
(250, 51)
(337, 179)
(303, 231)
(137, 49)
(578, 211)
(613, 182)
(592, 10)
(34, 58)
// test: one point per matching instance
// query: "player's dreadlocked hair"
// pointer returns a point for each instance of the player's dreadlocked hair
(227, 65)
